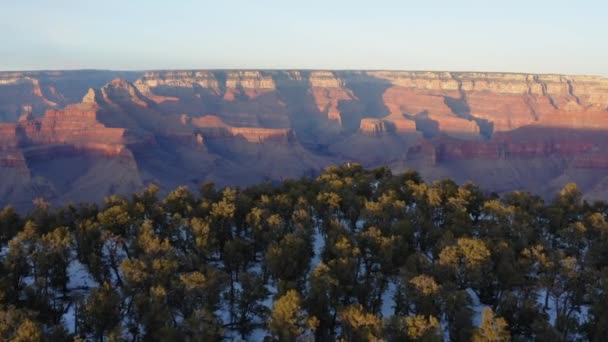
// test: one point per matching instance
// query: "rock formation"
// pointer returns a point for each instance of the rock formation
(75, 126)
(327, 91)
(243, 126)
(376, 127)
(212, 127)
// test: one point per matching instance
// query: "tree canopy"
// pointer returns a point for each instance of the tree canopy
(353, 255)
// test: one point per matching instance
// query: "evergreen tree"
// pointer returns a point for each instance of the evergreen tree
(287, 320)
(492, 329)
(101, 312)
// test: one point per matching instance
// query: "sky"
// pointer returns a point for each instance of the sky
(537, 36)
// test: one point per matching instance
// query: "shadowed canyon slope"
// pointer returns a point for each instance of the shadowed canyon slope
(81, 135)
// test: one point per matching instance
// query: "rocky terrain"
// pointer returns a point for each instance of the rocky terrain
(81, 135)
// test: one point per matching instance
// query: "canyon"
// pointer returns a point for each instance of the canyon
(70, 136)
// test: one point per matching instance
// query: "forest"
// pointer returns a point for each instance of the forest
(351, 255)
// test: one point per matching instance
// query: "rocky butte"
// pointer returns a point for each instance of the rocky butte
(81, 135)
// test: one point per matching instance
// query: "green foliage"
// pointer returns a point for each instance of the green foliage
(287, 320)
(492, 329)
(100, 313)
(308, 259)
(421, 328)
(359, 325)
(10, 223)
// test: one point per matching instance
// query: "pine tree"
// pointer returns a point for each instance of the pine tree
(359, 325)
(287, 320)
(28, 331)
(492, 329)
(101, 312)
(423, 328)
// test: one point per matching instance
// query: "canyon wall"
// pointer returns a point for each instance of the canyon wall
(168, 126)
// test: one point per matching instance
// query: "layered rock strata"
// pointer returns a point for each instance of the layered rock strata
(210, 119)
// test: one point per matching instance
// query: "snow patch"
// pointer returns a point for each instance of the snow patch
(388, 300)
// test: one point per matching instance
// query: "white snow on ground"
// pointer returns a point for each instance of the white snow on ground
(388, 300)
(256, 335)
(360, 224)
(80, 283)
(476, 306)
(581, 316)
(79, 276)
(445, 329)
(551, 311)
(3, 250)
(69, 319)
(269, 301)
(318, 244)
(255, 268)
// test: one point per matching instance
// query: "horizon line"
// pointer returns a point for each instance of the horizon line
(296, 69)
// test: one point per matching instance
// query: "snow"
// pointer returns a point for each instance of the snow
(69, 319)
(79, 283)
(360, 224)
(4, 250)
(582, 315)
(445, 329)
(551, 311)
(256, 335)
(476, 306)
(269, 301)
(318, 245)
(79, 276)
(388, 300)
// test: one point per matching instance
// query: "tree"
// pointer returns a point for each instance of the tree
(597, 325)
(116, 218)
(467, 259)
(287, 320)
(492, 329)
(15, 322)
(423, 328)
(179, 201)
(200, 241)
(54, 257)
(10, 223)
(202, 325)
(248, 303)
(359, 325)
(342, 257)
(164, 267)
(458, 312)
(101, 312)
(525, 315)
(423, 296)
(322, 300)
(288, 260)
(146, 204)
(222, 217)
(237, 253)
(28, 331)
(200, 290)
(378, 254)
(327, 204)
(19, 261)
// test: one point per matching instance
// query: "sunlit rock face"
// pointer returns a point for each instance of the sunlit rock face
(328, 91)
(234, 127)
(75, 126)
(376, 127)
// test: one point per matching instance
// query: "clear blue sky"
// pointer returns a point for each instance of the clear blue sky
(509, 35)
